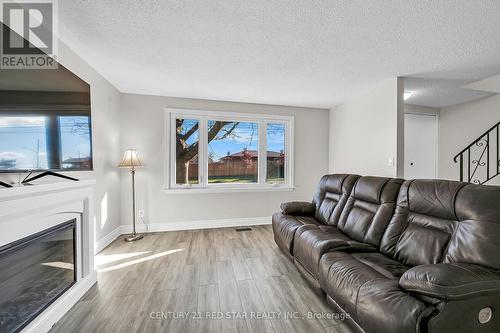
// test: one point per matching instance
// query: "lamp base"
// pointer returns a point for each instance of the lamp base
(134, 237)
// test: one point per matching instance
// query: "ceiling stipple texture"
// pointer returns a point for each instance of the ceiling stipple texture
(440, 93)
(292, 52)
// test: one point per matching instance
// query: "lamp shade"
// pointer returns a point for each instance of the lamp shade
(130, 159)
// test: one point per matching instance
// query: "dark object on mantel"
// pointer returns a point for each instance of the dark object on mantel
(5, 184)
(46, 173)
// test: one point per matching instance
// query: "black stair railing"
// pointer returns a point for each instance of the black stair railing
(480, 161)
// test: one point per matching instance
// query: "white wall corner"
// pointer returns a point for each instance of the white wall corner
(102, 243)
(400, 150)
(330, 141)
(373, 116)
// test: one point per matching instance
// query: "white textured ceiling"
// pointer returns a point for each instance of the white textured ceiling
(440, 93)
(491, 84)
(292, 52)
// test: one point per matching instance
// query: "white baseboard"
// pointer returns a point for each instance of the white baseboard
(102, 243)
(201, 224)
(106, 240)
(45, 321)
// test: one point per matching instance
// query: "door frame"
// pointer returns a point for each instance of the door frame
(436, 151)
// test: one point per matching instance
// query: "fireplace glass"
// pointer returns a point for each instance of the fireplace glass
(34, 272)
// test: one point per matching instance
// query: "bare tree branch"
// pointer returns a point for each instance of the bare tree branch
(186, 153)
(227, 132)
(187, 135)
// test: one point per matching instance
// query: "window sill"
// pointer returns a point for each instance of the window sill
(228, 189)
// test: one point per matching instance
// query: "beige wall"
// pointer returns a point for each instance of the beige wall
(142, 127)
(364, 132)
(459, 126)
(105, 105)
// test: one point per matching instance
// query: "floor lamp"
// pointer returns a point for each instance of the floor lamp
(132, 161)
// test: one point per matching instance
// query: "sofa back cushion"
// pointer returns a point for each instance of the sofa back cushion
(423, 223)
(477, 237)
(331, 196)
(369, 209)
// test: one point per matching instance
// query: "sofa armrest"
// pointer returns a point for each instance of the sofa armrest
(298, 208)
(451, 281)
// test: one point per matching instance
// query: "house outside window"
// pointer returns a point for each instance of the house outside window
(220, 151)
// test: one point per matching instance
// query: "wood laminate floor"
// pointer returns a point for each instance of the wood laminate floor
(214, 280)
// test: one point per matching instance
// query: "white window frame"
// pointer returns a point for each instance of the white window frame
(203, 117)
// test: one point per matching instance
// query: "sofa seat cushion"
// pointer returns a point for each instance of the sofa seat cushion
(284, 227)
(388, 267)
(311, 242)
(366, 286)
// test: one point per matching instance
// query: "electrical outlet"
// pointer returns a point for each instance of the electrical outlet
(141, 214)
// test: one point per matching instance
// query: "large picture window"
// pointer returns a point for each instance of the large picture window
(219, 150)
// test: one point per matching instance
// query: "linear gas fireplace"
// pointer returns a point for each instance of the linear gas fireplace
(34, 272)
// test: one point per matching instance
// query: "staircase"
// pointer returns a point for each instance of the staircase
(480, 161)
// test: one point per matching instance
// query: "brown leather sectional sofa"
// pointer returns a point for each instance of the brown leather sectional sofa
(400, 256)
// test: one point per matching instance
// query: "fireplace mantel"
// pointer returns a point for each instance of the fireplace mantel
(36, 190)
(27, 210)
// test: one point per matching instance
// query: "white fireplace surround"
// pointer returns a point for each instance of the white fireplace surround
(29, 209)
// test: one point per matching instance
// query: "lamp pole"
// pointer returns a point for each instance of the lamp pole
(133, 201)
(134, 235)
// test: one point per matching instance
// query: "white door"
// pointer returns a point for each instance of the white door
(420, 146)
